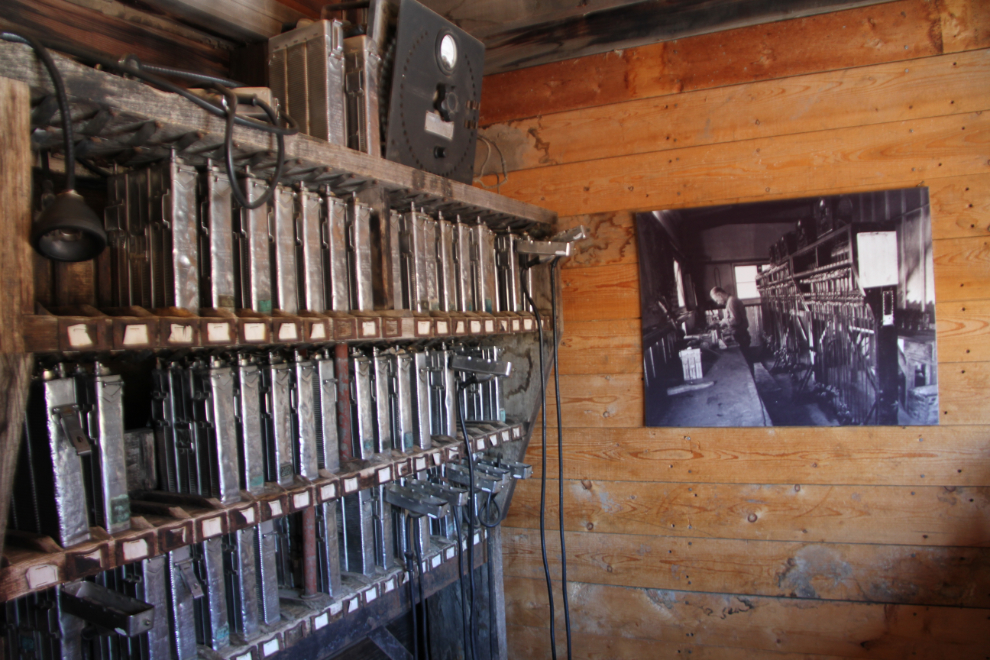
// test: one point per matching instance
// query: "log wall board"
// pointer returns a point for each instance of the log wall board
(781, 542)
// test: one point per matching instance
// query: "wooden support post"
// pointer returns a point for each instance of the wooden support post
(16, 277)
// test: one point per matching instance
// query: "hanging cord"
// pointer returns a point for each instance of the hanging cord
(543, 478)
(412, 590)
(471, 517)
(63, 102)
(505, 174)
(491, 600)
(560, 456)
(460, 579)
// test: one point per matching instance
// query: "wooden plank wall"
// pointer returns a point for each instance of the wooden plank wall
(777, 543)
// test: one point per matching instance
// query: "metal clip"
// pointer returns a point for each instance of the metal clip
(68, 418)
(189, 577)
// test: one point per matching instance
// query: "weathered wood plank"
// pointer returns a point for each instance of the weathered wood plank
(899, 574)
(962, 269)
(894, 155)
(785, 625)
(965, 25)
(918, 515)
(831, 100)
(601, 347)
(92, 29)
(963, 331)
(871, 455)
(611, 239)
(882, 33)
(16, 260)
(601, 292)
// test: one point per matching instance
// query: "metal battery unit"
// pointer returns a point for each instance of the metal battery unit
(212, 626)
(402, 400)
(50, 496)
(464, 256)
(327, 549)
(216, 242)
(102, 396)
(359, 260)
(248, 412)
(173, 254)
(284, 276)
(276, 386)
(241, 583)
(362, 405)
(383, 529)
(38, 627)
(362, 67)
(486, 296)
(267, 572)
(172, 415)
(446, 266)
(381, 390)
(184, 589)
(356, 528)
(306, 72)
(213, 411)
(325, 412)
(147, 581)
(126, 221)
(421, 395)
(419, 264)
(443, 392)
(507, 274)
(305, 402)
(392, 246)
(252, 258)
(309, 230)
(336, 239)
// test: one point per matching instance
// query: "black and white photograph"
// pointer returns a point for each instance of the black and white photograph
(805, 312)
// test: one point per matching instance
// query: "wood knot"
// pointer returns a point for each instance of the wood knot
(751, 518)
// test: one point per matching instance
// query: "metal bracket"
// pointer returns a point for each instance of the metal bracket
(189, 577)
(68, 418)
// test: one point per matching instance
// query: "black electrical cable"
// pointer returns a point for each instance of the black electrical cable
(543, 477)
(191, 76)
(560, 456)
(471, 516)
(63, 102)
(412, 591)
(489, 503)
(460, 579)
(228, 139)
(491, 600)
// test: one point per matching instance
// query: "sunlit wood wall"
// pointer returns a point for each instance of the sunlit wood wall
(777, 543)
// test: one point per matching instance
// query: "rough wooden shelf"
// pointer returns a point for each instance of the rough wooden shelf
(166, 521)
(85, 328)
(132, 123)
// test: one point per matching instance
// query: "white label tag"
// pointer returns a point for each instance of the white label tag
(516, 432)
(300, 500)
(41, 576)
(436, 125)
(254, 332)
(352, 605)
(328, 492)
(460, 327)
(527, 324)
(435, 561)
(450, 553)
(79, 336)
(385, 475)
(218, 332)
(389, 585)
(248, 516)
(370, 595)
(180, 334)
(136, 335)
(136, 549)
(489, 326)
(275, 507)
(351, 484)
(336, 608)
(318, 331)
(270, 647)
(420, 464)
(287, 332)
(475, 327)
(442, 328)
(480, 444)
(244, 656)
(515, 325)
(477, 538)
(320, 621)
(368, 328)
(424, 327)
(212, 527)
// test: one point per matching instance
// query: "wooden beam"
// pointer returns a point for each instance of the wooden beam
(827, 42)
(753, 624)
(907, 515)
(861, 572)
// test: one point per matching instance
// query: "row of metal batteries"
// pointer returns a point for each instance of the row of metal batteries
(223, 425)
(228, 593)
(177, 240)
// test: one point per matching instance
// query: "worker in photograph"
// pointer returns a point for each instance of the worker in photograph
(735, 322)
